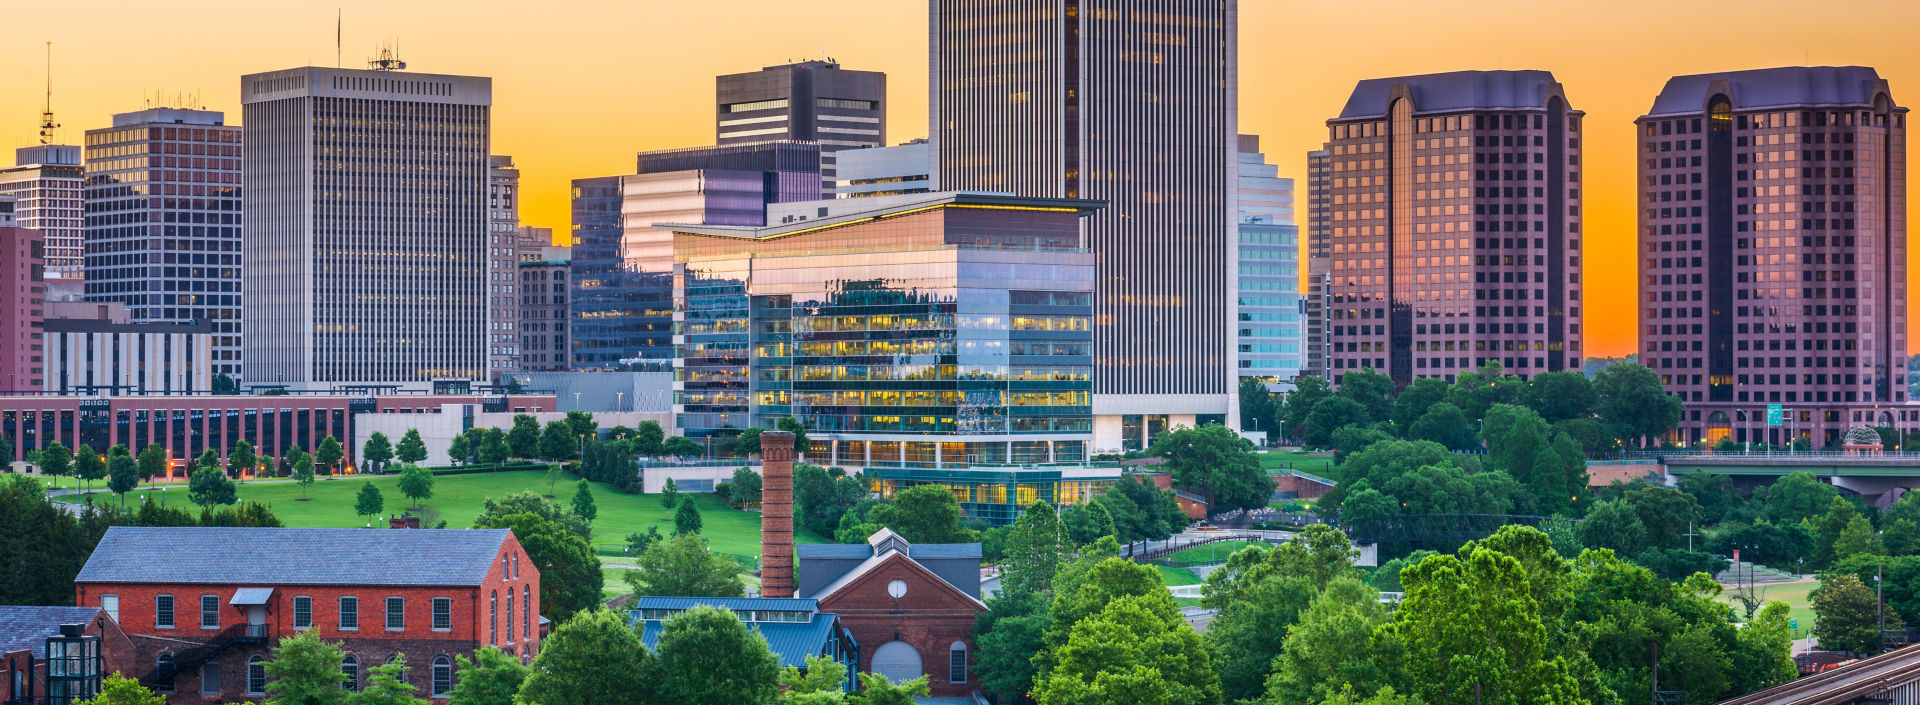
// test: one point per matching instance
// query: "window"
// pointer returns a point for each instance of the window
(349, 613)
(350, 672)
(526, 611)
(163, 611)
(509, 615)
(164, 662)
(209, 612)
(442, 614)
(442, 676)
(302, 612)
(257, 675)
(493, 618)
(210, 678)
(111, 603)
(957, 662)
(396, 613)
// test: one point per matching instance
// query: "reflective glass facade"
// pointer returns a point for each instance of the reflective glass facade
(1271, 337)
(946, 332)
(621, 317)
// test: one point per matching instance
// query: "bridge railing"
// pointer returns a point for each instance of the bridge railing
(1655, 455)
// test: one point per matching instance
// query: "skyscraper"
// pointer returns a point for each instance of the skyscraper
(163, 222)
(1313, 305)
(1270, 334)
(1773, 241)
(620, 315)
(1456, 226)
(811, 101)
(366, 235)
(503, 265)
(1130, 102)
(46, 181)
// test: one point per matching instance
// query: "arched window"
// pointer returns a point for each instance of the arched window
(509, 615)
(256, 675)
(957, 662)
(442, 676)
(493, 618)
(526, 611)
(349, 672)
(164, 663)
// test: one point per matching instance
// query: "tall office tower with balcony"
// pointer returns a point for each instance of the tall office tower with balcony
(1456, 226)
(503, 265)
(1313, 305)
(1270, 335)
(1133, 103)
(622, 318)
(46, 181)
(163, 222)
(367, 227)
(1773, 252)
(814, 101)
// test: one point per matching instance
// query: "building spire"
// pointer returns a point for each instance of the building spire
(47, 125)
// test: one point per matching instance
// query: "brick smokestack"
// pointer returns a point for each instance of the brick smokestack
(776, 514)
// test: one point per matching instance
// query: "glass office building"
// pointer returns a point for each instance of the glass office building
(934, 332)
(1271, 337)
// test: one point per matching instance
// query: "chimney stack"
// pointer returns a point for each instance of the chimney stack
(776, 514)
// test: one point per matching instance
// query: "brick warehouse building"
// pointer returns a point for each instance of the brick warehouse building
(911, 608)
(204, 622)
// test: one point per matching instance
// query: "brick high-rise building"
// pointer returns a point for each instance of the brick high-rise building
(503, 266)
(23, 261)
(1773, 252)
(1456, 226)
(1313, 305)
(46, 180)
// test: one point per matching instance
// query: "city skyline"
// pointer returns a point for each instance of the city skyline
(557, 116)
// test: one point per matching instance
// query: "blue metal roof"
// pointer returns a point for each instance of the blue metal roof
(262, 556)
(250, 596)
(25, 628)
(737, 604)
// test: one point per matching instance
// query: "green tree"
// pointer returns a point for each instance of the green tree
(491, 677)
(387, 685)
(1337, 645)
(648, 438)
(305, 671)
(1005, 639)
(1293, 413)
(876, 689)
(1134, 649)
(1416, 400)
(209, 458)
(1614, 525)
(1763, 653)
(377, 452)
(121, 690)
(303, 474)
(1086, 522)
(581, 423)
(1373, 391)
(1329, 415)
(89, 465)
(1667, 514)
(241, 459)
(748, 442)
(122, 476)
(570, 578)
(822, 674)
(669, 494)
(56, 460)
(745, 486)
(209, 487)
(686, 519)
(223, 384)
(460, 450)
(683, 566)
(494, 448)
(554, 473)
(1445, 424)
(329, 454)
(923, 514)
(494, 509)
(1217, 463)
(1036, 549)
(1629, 398)
(1857, 539)
(557, 441)
(1558, 396)
(682, 447)
(1247, 633)
(1846, 615)
(1902, 537)
(416, 483)
(1257, 407)
(1799, 496)
(411, 449)
(799, 431)
(583, 502)
(1471, 626)
(42, 545)
(369, 503)
(153, 462)
(707, 654)
(524, 440)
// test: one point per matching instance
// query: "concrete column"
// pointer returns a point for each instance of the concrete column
(776, 514)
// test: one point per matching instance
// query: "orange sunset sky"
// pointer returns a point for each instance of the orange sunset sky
(580, 85)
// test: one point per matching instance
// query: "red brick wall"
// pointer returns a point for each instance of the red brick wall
(930, 618)
(1306, 488)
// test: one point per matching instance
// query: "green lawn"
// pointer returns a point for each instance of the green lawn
(457, 499)
(1794, 594)
(1178, 576)
(1321, 465)
(1209, 554)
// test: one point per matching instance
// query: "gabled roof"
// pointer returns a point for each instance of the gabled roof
(1453, 90)
(872, 564)
(855, 551)
(1775, 87)
(262, 556)
(26, 628)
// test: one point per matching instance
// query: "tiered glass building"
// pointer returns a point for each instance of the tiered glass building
(933, 338)
(1271, 338)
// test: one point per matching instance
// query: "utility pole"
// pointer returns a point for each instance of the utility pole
(1880, 600)
(1690, 534)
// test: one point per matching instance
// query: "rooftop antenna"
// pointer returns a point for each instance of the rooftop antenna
(339, 18)
(47, 125)
(388, 59)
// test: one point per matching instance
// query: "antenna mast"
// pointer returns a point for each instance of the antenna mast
(47, 125)
(339, 19)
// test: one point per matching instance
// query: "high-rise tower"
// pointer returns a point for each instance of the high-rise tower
(1129, 102)
(1456, 226)
(366, 232)
(1773, 252)
(814, 101)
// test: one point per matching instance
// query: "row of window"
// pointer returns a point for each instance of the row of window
(349, 614)
(349, 674)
